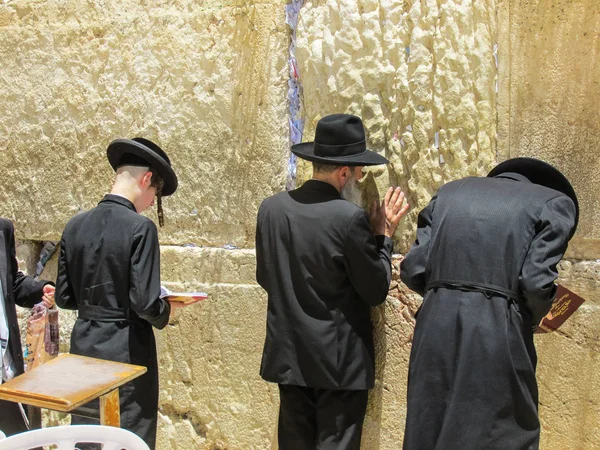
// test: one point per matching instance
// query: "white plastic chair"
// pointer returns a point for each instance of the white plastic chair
(66, 437)
(2, 435)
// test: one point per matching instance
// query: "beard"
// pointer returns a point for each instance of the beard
(352, 192)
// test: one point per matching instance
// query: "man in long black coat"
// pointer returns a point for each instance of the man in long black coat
(323, 269)
(16, 289)
(485, 260)
(109, 270)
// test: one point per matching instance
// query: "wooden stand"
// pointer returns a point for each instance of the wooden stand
(69, 381)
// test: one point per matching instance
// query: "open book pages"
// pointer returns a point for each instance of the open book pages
(565, 304)
(182, 297)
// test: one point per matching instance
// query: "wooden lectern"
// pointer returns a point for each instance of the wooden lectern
(69, 381)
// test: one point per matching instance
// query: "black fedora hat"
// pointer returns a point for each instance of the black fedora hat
(542, 173)
(140, 151)
(339, 140)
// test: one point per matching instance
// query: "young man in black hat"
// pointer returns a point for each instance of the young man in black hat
(15, 289)
(324, 264)
(109, 270)
(485, 261)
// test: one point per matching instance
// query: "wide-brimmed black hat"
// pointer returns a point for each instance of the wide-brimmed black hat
(542, 173)
(339, 140)
(140, 151)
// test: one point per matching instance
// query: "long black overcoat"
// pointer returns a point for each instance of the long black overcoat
(485, 260)
(109, 270)
(323, 270)
(18, 289)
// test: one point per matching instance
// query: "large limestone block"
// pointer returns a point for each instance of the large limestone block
(194, 267)
(583, 277)
(211, 395)
(422, 76)
(568, 367)
(206, 80)
(548, 109)
(209, 355)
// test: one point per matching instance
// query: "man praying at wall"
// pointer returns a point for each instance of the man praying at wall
(485, 260)
(15, 289)
(324, 263)
(109, 271)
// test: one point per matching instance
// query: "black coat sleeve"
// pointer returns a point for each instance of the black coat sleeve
(414, 265)
(536, 281)
(64, 296)
(144, 290)
(368, 260)
(26, 290)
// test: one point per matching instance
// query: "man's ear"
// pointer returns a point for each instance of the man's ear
(345, 174)
(147, 179)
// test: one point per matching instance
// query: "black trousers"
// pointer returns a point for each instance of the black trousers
(320, 419)
(11, 419)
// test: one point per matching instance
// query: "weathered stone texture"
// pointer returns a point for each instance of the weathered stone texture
(410, 70)
(212, 396)
(209, 355)
(549, 72)
(393, 327)
(206, 80)
(568, 367)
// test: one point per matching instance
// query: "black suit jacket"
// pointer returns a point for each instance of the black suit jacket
(503, 231)
(109, 270)
(18, 289)
(485, 260)
(323, 270)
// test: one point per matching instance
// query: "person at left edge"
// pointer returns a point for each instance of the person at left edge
(109, 271)
(15, 289)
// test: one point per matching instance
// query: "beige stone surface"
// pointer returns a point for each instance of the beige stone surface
(206, 80)
(211, 395)
(568, 367)
(410, 70)
(549, 72)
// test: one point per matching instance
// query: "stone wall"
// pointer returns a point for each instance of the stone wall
(548, 102)
(204, 79)
(208, 81)
(548, 108)
(422, 76)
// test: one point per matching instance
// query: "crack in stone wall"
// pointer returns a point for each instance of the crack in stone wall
(422, 75)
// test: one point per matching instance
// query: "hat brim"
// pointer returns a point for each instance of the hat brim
(542, 173)
(119, 147)
(306, 150)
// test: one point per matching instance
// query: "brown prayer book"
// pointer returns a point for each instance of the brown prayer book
(187, 298)
(565, 304)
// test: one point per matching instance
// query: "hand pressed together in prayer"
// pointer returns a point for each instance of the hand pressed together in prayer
(48, 296)
(386, 217)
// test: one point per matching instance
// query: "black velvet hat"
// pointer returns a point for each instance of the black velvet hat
(339, 140)
(542, 173)
(139, 151)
